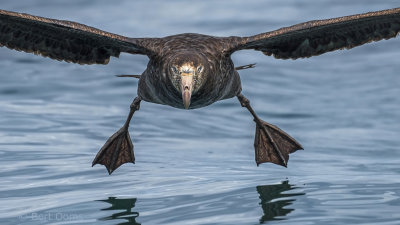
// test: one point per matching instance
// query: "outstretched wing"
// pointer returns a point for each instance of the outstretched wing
(320, 36)
(64, 40)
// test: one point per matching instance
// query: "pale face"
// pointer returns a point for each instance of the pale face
(187, 78)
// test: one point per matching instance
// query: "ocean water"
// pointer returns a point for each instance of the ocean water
(197, 166)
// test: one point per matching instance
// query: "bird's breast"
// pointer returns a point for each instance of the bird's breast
(153, 88)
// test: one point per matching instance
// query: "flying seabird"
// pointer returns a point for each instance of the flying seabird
(190, 71)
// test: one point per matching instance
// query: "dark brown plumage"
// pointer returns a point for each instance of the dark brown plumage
(192, 70)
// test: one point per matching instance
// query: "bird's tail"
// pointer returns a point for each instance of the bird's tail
(249, 66)
(134, 76)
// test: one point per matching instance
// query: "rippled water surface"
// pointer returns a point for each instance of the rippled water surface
(197, 167)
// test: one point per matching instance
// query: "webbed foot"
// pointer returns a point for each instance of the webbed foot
(271, 144)
(116, 151)
(119, 148)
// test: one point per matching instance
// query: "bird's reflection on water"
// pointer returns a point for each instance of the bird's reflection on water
(273, 198)
(273, 209)
(126, 205)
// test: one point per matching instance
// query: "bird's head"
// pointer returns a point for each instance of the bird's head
(188, 73)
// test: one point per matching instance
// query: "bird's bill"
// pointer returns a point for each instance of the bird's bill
(187, 87)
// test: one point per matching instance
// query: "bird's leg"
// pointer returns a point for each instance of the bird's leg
(119, 148)
(271, 144)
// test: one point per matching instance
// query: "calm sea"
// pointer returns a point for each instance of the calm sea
(197, 166)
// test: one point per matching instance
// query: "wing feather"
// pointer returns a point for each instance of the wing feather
(321, 36)
(64, 40)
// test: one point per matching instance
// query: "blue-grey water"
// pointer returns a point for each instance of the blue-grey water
(197, 166)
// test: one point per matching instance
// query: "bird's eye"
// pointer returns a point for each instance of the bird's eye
(199, 69)
(174, 69)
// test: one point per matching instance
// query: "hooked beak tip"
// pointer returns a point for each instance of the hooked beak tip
(186, 95)
(186, 87)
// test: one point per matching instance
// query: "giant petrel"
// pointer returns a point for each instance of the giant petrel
(190, 71)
